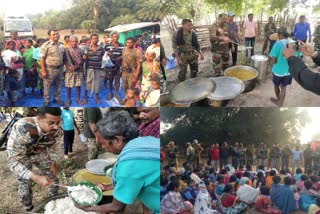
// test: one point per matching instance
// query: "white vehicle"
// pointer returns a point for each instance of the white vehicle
(20, 24)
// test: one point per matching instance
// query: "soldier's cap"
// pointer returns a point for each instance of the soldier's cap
(231, 14)
(171, 143)
(195, 141)
(188, 143)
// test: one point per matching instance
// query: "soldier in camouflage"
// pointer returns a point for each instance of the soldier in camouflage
(51, 61)
(220, 40)
(131, 65)
(30, 143)
(316, 35)
(186, 49)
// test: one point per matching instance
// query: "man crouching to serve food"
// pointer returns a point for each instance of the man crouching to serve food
(29, 143)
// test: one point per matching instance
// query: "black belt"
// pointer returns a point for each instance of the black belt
(55, 67)
(113, 68)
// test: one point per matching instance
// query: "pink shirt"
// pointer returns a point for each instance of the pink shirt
(250, 27)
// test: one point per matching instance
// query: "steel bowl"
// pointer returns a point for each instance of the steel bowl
(227, 88)
(191, 91)
(248, 84)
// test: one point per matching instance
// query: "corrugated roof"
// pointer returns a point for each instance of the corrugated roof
(129, 27)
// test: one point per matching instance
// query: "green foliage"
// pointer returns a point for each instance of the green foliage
(108, 12)
(246, 125)
(124, 19)
(87, 24)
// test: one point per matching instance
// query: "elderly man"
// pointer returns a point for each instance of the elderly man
(136, 173)
(29, 144)
(150, 125)
(93, 56)
(131, 65)
(51, 61)
(220, 39)
(114, 50)
(74, 69)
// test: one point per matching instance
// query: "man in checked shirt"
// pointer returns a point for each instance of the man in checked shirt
(29, 143)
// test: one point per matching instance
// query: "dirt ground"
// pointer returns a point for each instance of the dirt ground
(261, 94)
(8, 186)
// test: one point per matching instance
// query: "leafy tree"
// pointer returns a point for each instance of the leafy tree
(124, 19)
(246, 125)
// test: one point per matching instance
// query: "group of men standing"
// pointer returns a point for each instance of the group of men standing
(225, 38)
(54, 56)
(236, 155)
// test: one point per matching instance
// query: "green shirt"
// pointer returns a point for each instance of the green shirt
(138, 179)
(91, 115)
(28, 58)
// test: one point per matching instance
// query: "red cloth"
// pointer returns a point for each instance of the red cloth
(262, 202)
(151, 129)
(228, 201)
(162, 155)
(215, 153)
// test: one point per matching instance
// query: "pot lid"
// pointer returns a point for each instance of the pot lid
(259, 58)
(226, 88)
(192, 90)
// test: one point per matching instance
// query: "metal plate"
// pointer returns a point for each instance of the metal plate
(191, 90)
(260, 58)
(97, 166)
(226, 88)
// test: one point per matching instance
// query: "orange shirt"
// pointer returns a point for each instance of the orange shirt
(269, 181)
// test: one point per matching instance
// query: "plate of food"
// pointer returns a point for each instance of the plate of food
(85, 193)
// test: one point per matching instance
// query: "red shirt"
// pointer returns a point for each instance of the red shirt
(228, 201)
(215, 153)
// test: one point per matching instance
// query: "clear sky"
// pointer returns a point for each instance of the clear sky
(31, 6)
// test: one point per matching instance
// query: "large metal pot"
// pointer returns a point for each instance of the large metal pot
(227, 88)
(260, 62)
(165, 101)
(191, 91)
(248, 84)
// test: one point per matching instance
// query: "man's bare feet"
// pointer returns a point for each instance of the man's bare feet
(79, 102)
(97, 100)
(109, 97)
(85, 101)
(275, 101)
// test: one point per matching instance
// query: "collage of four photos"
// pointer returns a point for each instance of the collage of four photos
(171, 107)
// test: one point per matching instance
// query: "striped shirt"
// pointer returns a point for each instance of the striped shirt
(94, 60)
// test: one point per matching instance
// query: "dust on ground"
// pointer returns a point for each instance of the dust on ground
(260, 96)
(9, 187)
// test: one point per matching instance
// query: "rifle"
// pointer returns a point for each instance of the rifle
(7, 129)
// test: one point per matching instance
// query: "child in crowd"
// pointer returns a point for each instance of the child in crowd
(130, 99)
(153, 97)
(12, 86)
(263, 203)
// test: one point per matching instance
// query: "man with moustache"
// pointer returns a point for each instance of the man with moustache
(93, 58)
(150, 125)
(51, 61)
(29, 143)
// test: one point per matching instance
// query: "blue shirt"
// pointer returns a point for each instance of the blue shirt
(281, 68)
(67, 120)
(138, 179)
(300, 31)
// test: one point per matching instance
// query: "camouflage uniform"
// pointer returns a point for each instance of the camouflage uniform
(91, 115)
(188, 55)
(28, 146)
(219, 48)
(129, 65)
(53, 55)
(316, 40)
